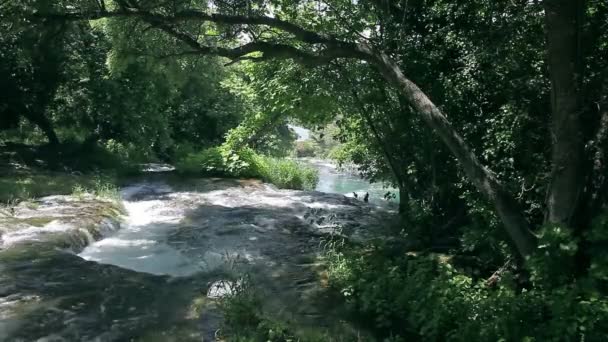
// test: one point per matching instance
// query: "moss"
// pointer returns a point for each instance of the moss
(30, 221)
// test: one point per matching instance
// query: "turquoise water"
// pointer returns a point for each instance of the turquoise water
(334, 180)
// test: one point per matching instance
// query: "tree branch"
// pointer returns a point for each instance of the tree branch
(334, 48)
(298, 32)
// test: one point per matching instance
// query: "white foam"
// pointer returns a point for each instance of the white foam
(34, 233)
(140, 244)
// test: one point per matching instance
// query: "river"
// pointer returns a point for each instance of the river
(332, 179)
(182, 244)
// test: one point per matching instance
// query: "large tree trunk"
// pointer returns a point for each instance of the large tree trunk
(40, 120)
(567, 177)
(506, 207)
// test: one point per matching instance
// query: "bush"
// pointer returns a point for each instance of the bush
(127, 152)
(422, 297)
(220, 161)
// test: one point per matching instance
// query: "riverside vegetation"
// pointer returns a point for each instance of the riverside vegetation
(490, 119)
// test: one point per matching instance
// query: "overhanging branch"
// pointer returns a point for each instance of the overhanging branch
(298, 32)
(331, 48)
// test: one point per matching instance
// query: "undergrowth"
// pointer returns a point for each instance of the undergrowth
(24, 186)
(29, 172)
(245, 319)
(423, 297)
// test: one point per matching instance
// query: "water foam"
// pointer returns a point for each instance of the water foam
(140, 244)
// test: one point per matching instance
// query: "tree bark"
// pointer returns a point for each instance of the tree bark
(567, 177)
(40, 120)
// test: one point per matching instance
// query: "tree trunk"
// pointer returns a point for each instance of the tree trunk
(506, 207)
(567, 177)
(40, 120)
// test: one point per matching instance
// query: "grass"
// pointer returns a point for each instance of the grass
(245, 320)
(284, 173)
(28, 172)
(99, 188)
(23, 186)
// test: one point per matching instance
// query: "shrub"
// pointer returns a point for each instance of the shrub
(422, 297)
(245, 320)
(126, 152)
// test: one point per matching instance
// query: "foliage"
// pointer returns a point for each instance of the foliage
(246, 321)
(306, 149)
(221, 161)
(137, 88)
(241, 305)
(408, 296)
(284, 173)
(208, 162)
(94, 85)
(32, 172)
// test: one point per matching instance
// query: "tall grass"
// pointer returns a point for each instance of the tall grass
(98, 188)
(284, 173)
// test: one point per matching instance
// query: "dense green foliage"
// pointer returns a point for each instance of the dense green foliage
(410, 296)
(104, 88)
(491, 118)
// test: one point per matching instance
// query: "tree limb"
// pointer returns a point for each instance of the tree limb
(298, 32)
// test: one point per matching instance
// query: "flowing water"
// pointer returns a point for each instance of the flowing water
(181, 245)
